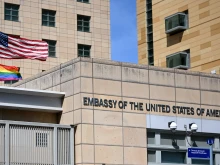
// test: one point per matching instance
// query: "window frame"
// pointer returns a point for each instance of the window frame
(50, 14)
(83, 50)
(159, 148)
(10, 82)
(11, 9)
(149, 154)
(82, 1)
(149, 21)
(81, 27)
(177, 28)
(182, 152)
(180, 66)
(51, 46)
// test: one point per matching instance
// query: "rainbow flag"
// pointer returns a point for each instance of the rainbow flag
(9, 73)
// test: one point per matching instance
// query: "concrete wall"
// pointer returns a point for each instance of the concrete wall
(202, 37)
(65, 31)
(114, 135)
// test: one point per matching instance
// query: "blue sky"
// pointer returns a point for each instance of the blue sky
(123, 30)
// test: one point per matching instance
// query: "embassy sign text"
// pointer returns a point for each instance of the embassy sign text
(140, 106)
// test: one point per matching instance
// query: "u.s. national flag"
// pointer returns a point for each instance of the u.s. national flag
(20, 48)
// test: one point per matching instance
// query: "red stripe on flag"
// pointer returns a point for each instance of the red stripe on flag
(21, 48)
(27, 50)
(28, 42)
(14, 55)
(15, 43)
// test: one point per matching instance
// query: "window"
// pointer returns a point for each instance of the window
(83, 23)
(150, 43)
(48, 17)
(150, 138)
(172, 139)
(84, 1)
(9, 82)
(203, 161)
(150, 53)
(151, 156)
(84, 50)
(175, 23)
(41, 140)
(51, 48)
(149, 29)
(173, 157)
(150, 37)
(178, 60)
(11, 12)
(199, 141)
(149, 6)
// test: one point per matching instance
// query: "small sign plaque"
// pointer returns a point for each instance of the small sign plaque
(198, 153)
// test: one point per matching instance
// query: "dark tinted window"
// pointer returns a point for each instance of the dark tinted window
(175, 21)
(51, 48)
(84, 1)
(173, 157)
(84, 50)
(83, 23)
(11, 12)
(48, 17)
(179, 59)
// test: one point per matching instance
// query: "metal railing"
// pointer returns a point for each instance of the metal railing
(24, 143)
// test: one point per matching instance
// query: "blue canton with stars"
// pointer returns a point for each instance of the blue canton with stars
(3, 39)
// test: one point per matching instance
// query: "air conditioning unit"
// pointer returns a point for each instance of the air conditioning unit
(176, 23)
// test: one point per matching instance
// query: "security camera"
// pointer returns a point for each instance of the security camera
(193, 127)
(172, 125)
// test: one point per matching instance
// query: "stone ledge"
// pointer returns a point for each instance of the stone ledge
(114, 63)
(188, 72)
(162, 69)
(84, 59)
(109, 62)
(131, 65)
(202, 74)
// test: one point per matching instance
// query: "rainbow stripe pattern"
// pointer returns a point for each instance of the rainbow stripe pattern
(9, 73)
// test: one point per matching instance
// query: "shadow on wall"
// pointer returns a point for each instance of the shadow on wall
(174, 39)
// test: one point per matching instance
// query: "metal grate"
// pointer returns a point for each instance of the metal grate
(2, 144)
(23, 148)
(63, 146)
(24, 143)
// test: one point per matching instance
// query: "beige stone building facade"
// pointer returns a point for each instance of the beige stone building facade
(72, 27)
(121, 112)
(192, 28)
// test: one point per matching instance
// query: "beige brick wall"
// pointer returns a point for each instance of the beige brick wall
(142, 31)
(65, 31)
(114, 135)
(202, 37)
